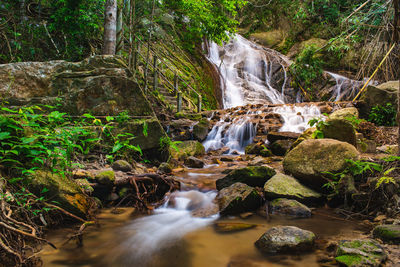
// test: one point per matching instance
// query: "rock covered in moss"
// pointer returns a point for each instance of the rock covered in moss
(252, 176)
(289, 207)
(343, 113)
(258, 149)
(358, 253)
(200, 130)
(165, 167)
(284, 186)
(121, 165)
(223, 227)
(285, 239)
(106, 178)
(238, 198)
(307, 134)
(389, 233)
(312, 158)
(280, 147)
(59, 188)
(339, 129)
(186, 149)
(85, 185)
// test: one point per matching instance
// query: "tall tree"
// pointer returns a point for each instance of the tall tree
(396, 38)
(110, 27)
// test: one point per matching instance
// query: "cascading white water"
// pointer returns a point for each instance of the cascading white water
(247, 72)
(295, 119)
(345, 88)
(147, 235)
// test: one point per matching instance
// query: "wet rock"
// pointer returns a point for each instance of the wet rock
(187, 149)
(307, 134)
(193, 162)
(258, 149)
(238, 198)
(165, 168)
(343, 113)
(358, 253)
(275, 136)
(280, 147)
(259, 161)
(252, 176)
(200, 130)
(121, 165)
(289, 207)
(285, 239)
(339, 129)
(222, 227)
(312, 158)
(106, 178)
(66, 192)
(284, 186)
(389, 233)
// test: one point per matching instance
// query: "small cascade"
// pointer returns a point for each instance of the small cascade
(250, 73)
(344, 89)
(295, 118)
(148, 235)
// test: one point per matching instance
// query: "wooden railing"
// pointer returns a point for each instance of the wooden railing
(160, 72)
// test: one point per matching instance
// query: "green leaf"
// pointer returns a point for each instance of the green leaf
(4, 135)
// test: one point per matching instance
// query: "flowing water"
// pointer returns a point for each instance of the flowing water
(180, 233)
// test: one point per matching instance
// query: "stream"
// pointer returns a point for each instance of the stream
(171, 236)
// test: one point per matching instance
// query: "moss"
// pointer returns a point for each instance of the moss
(349, 260)
(106, 178)
(252, 176)
(387, 233)
(187, 149)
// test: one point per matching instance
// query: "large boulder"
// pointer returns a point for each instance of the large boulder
(378, 95)
(289, 207)
(269, 39)
(186, 149)
(311, 159)
(344, 113)
(252, 176)
(285, 239)
(284, 186)
(358, 253)
(387, 233)
(238, 198)
(339, 129)
(67, 193)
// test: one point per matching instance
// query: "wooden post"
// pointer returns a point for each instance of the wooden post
(155, 77)
(176, 84)
(179, 101)
(199, 103)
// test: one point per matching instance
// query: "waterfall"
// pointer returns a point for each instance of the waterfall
(248, 72)
(296, 118)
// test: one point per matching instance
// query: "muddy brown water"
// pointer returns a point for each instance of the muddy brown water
(107, 244)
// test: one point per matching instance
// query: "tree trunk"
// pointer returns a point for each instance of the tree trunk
(396, 39)
(110, 27)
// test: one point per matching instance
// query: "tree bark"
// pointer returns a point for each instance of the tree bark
(396, 39)
(110, 27)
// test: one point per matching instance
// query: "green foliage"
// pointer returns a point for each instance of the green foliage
(319, 123)
(386, 179)
(307, 67)
(166, 143)
(212, 19)
(383, 115)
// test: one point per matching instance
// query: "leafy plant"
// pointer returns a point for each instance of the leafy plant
(383, 115)
(319, 123)
(386, 179)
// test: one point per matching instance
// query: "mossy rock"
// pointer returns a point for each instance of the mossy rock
(238, 198)
(307, 134)
(339, 129)
(121, 165)
(289, 207)
(255, 176)
(285, 239)
(378, 95)
(344, 113)
(387, 233)
(258, 149)
(284, 186)
(269, 39)
(223, 227)
(312, 159)
(85, 185)
(280, 147)
(64, 191)
(186, 149)
(200, 130)
(106, 178)
(358, 253)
